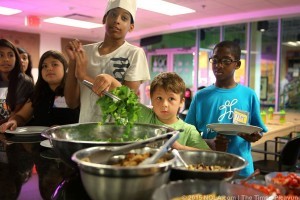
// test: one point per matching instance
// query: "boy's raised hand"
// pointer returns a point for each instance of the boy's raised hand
(72, 47)
(81, 63)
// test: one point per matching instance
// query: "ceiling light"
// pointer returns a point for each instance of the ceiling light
(291, 44)
(163, 7)
(72, 22)
(262, 26)
(8, 11)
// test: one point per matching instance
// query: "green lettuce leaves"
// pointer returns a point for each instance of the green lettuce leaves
(124, 112)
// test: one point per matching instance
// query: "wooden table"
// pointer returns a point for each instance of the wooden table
(276, 129)
(295, 118)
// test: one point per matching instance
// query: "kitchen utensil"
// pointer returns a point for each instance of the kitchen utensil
(208, 158)
(103, 181)
(108, 152)
(67, 139)
(178, 157)
(255, 173)
(162, 150)
(90, 85)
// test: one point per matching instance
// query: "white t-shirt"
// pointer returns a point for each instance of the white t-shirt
(283, 91)
(4, 112)
(128, 62)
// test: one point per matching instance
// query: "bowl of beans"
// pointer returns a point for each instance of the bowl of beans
(214, 165)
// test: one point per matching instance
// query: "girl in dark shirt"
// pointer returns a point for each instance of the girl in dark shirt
(15, 87)
(47, 106)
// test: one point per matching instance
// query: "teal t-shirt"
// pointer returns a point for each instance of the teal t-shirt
(217, 105)
(189, 137)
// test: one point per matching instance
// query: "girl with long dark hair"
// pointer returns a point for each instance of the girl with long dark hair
(15, 87)
(47, 106)
(26, 62)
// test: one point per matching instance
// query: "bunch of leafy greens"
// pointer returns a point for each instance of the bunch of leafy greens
(124, 112)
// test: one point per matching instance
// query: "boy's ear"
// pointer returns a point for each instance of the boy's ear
(182, 102)
(131, 27)
(104, 19)
(238, 64)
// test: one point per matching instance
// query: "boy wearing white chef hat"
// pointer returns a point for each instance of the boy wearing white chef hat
(107, 63)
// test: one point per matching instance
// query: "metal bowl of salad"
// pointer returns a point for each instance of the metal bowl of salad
(122, 177)
(67, 139)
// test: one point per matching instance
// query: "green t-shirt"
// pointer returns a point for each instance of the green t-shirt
(189, 137)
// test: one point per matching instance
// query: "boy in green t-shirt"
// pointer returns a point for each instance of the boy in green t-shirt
(167, 97)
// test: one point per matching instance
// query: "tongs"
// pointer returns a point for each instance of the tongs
(162, 150)
(178, 156)
(90, 85)
(107, 152)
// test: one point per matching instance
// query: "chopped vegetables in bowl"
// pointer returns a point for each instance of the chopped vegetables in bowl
(290, 181)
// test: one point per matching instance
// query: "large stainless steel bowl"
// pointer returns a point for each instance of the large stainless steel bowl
(67, 139)
(205, 187)
(179, 172)
(102, 181)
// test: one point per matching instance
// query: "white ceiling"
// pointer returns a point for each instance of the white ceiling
(208, 13)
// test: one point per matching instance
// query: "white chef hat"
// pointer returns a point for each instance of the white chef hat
(129, 5)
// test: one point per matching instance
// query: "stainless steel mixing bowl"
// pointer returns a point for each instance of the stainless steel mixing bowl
(103, 181)
(205, 187)
(208, 158)
(67, 139)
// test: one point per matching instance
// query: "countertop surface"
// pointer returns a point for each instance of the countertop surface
(29, 171)
(280, 129)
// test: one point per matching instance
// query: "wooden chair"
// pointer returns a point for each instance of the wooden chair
(285, 160)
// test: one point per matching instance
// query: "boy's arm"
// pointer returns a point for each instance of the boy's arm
(178, 146)
(145, 114)
(256, 119)
(219, 143)
(194, 139)
(72, 91)
(134, 85)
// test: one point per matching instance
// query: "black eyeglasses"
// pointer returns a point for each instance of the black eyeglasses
(223, 61)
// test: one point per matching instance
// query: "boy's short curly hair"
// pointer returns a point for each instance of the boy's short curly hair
(169, 81)
(233, 46)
